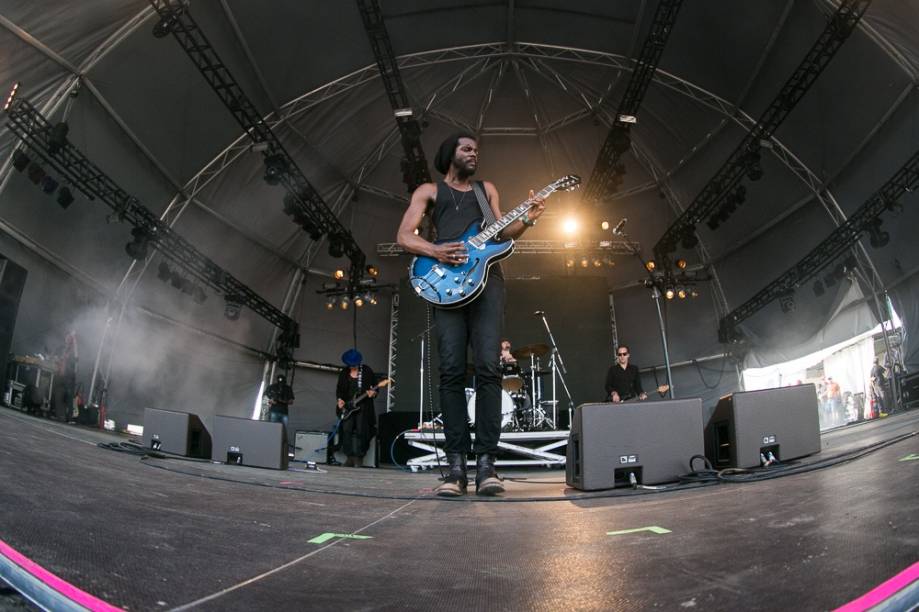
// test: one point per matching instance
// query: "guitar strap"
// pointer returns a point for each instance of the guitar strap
(487, 213)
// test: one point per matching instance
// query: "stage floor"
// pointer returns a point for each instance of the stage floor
(159, 534)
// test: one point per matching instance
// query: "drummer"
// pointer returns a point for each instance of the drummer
(506, 357)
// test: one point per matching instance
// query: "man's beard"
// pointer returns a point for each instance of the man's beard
(462, 171)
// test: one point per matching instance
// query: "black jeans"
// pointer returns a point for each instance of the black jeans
(477, 324)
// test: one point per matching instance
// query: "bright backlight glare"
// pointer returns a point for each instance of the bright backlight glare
(570, 225)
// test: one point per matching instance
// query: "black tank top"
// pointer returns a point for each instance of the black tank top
(454, 211)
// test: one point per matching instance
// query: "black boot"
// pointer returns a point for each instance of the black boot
(455, 482)
(486, 479)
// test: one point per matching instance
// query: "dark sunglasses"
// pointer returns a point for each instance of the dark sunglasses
(621, 354)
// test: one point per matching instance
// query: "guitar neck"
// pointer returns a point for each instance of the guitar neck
(492, 230)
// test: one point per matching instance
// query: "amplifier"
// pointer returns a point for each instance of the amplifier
(652, 440)
(239, 441)
(783, 422)
(909, 390)
(179, 433)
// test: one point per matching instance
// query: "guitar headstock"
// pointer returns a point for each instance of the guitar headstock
(385, 382)
(569, 182)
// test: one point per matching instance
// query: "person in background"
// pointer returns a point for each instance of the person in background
(623, 381)
(280, 397)
(358, 423)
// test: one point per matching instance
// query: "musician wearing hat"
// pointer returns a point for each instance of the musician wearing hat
(355, 395)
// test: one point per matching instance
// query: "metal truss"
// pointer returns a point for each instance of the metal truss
(543, 247)
(831, 39)
(905, 180)
(393, 349)
(414, 165)
(36, 132)
(176, 20)
(604, 177)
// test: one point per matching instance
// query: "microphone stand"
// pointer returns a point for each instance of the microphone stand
(656, 296)
(562, 370)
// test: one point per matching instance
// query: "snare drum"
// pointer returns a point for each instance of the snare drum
(507, 409)
(511, 380)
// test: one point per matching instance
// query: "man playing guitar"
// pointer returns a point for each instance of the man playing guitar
(623, 382)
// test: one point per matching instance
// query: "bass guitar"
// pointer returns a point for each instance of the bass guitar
(351, 406)
(454, 285)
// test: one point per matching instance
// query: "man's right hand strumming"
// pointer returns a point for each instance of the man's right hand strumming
(450, 253)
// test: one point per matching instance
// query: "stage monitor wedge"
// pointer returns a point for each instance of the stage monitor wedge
(744, 425)
(654, 440)
(179, 433)
(239, 441)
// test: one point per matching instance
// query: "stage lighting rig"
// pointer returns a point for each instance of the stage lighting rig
(35, 131)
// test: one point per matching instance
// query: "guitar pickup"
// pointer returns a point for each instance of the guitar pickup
(438, 271)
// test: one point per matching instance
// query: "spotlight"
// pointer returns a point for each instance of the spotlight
(36, 172)
(345, 302)
(48, 185)
(339, 274)
(275, 168)
(188, 287)
(233, 307)
(569, 262)
(585, 262)
(358, 301)
(57, 139)
(336, 248)
(754, 169)
(64, 197)
(20, 160)
(669, 293)
(163, 272)
(199, 295)
(310, 228)
(372, 298)
(787, 301)
(373, 271)
(604, 226)
(137, 249)
(650, 265)
(818, 288)
(330, 304)
(598, 263)
(681, 293)
(712, 223)
(877, 237)
(290, 205)
(693, 293)
(164, 26)
(570, 226)
(681, 264)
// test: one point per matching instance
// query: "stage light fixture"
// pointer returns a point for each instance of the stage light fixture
(137, 248)
(345, 302)
(712, 223)
(336, 248)
(358, 301)
(57, 138)
(36, 172)
(690, 240)
(604, 226)
(876, 236)
(339, 274)
(569, 262)
(570, 226)
(163, 272)
(681, 293)
(275, 168)
(9, 98)
(175, 279)
(693, 293)
(373, 271)
(598, 263)
(669, 293)
(787, 301)
(754, 168)
(64, 197)
(585, 262)
(330, 304)
(291, 207)
(48, 185)
(20, 160)
(232, 308)
(372, 298)
(681, 264)
(188, 287)
(199, 295)
(650, 265)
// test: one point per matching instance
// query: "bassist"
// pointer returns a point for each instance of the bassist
(356, 431)
(453, 206)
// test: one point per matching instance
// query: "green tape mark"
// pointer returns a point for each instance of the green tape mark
(911, 457)
(652, 529)
(325, 537)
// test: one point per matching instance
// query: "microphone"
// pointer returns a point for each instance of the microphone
(617, 231)
(539, 313)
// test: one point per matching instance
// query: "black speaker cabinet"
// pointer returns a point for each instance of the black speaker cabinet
(783, 422)
(179, 433)
(240, 441)
(653, 440)
(12, 283)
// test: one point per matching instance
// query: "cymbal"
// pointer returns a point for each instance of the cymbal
(537, 350)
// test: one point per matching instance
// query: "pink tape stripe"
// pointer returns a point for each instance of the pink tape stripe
(883, 591)
(61, 586)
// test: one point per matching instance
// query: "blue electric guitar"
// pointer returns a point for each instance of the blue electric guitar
(451, 286)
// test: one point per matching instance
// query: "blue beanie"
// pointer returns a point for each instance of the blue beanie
(352, 357)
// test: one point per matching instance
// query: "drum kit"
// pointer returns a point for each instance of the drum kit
(526, 405)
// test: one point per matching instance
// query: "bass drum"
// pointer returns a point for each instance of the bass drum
(507, 409)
